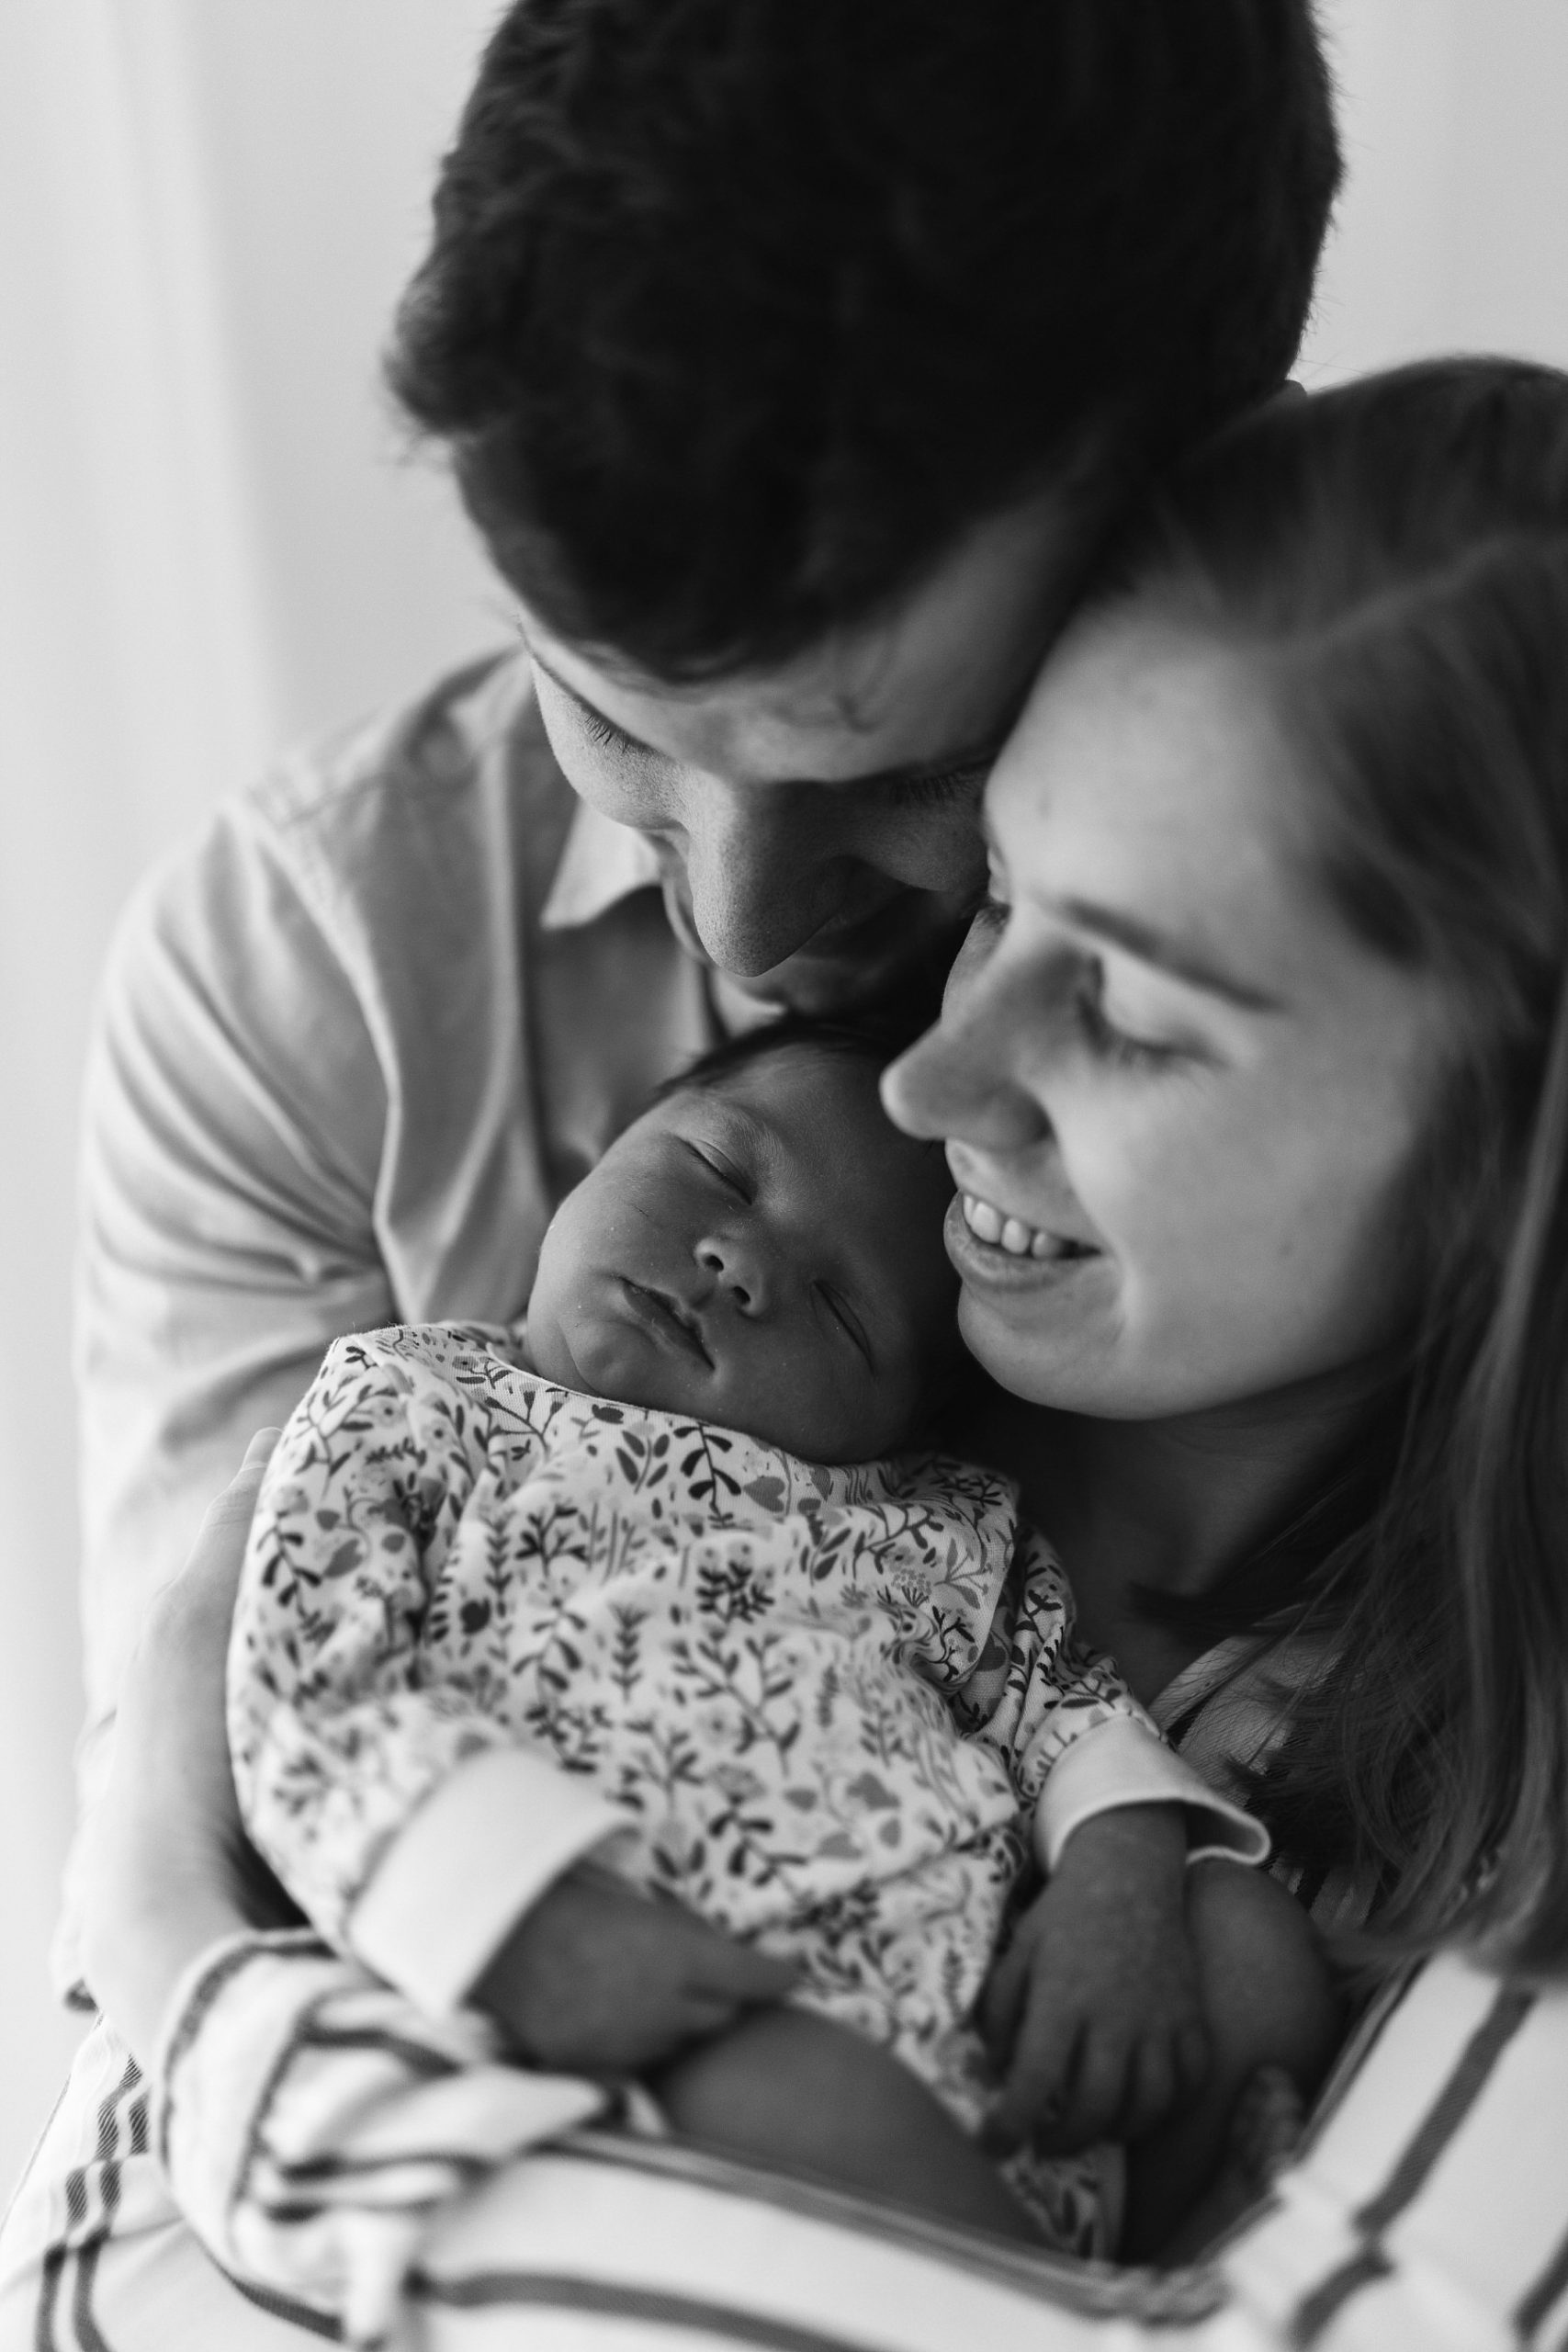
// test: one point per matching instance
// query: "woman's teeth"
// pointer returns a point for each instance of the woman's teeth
(987, 1223)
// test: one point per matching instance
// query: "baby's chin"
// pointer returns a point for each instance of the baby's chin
(601, 1358)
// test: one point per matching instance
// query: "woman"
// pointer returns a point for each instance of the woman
(1253, 1080)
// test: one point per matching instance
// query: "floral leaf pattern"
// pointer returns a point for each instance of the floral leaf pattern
(825, 1699)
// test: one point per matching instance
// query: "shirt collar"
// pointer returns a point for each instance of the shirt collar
(602, 863)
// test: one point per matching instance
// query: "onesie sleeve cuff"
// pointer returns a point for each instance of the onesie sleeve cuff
(473, 1857)
(1120, 1762)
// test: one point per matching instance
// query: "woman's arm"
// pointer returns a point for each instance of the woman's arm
(1427, 2212)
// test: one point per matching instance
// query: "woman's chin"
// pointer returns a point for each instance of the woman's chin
(1026, 1362)
(1039, 1330)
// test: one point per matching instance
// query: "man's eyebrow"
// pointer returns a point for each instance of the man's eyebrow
(959, 764)
(1152, 946)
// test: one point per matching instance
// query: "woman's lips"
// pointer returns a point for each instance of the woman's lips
(665, 1319)
(996, 1251)
(1002, 1230)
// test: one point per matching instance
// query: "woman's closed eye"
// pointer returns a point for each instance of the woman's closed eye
(1105, 1038)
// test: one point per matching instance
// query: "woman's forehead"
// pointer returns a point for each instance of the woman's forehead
(1149, 774)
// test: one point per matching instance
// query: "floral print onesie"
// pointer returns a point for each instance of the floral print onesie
(820, 1704)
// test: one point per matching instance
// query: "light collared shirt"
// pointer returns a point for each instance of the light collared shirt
(354, 1042)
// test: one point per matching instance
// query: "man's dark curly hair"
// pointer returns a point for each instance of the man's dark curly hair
(739, 312)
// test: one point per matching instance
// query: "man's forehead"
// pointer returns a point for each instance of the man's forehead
(930, 685)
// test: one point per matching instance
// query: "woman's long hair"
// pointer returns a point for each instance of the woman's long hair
(1393, 557)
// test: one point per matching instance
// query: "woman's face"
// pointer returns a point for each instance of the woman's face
(1181, 1102)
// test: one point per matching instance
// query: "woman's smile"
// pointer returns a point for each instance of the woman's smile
(994, 1252)
(1180, 1102)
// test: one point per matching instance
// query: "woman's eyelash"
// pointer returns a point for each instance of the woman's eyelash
(1102, 1034)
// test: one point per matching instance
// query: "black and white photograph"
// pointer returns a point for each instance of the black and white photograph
(783, 1018)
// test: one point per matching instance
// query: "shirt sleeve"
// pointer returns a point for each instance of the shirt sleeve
(397, 1809)
(232, 1133)
(325, 2141)
(313, 2123)
(1074, 1739)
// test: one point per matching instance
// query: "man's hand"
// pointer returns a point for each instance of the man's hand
(1091, 2016)
(597, 1979)
(165, 1868)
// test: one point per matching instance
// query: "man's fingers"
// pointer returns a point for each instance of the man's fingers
(1038, 2087)
(737, 1974)
(1192, 2056)
(1151, 2090)
(1001, 2004)
(1098, 2095)
(238, 1499)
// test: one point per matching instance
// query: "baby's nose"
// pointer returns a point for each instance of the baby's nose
(740, 1270)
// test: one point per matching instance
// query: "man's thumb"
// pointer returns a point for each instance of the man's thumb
(747, 1975)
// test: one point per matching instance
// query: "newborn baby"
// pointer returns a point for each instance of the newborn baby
(658, 1580)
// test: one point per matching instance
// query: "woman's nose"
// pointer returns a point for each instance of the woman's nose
(740, 1271)
(959, 1082)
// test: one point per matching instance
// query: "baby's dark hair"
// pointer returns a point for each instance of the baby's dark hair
(738, 314)
(872, 1041)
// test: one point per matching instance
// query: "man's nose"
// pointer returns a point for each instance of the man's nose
(760, 872)
(740, 1270)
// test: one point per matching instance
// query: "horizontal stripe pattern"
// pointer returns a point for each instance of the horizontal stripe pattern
(1428, 2212)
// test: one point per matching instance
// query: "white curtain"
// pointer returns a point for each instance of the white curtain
(210, 542)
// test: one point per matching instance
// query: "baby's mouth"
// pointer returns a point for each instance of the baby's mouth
(667, 1317)
(989, 1224)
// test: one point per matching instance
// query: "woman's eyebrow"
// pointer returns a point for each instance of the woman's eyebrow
(1154, 946)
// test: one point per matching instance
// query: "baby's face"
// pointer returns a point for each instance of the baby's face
(765, 1252)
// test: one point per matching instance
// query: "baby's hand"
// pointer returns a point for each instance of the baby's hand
(598, 1980)
(1092, 2014)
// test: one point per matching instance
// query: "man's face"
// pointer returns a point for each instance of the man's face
(817, 822)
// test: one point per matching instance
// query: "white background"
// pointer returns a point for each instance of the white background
(211, 541)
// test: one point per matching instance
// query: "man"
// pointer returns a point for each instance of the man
(792, 358)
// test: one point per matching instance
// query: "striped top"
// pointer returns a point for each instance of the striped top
(1429, 2208)
(340, 2154)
